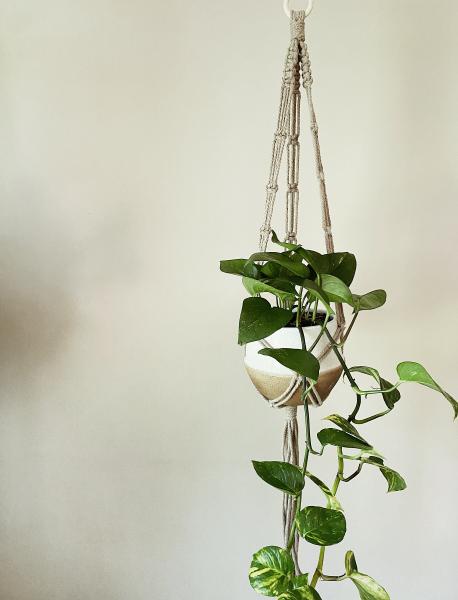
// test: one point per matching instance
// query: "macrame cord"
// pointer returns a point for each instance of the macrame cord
(297, 67)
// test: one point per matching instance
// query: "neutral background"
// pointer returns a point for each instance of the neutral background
(135, 140)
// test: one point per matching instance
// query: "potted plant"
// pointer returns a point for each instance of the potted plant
(284, 322)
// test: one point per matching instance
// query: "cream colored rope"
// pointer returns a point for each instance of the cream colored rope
(288, 131)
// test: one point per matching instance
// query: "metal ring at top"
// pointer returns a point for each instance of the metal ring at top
(287, 8)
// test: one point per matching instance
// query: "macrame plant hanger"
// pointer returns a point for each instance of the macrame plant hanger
(297, 69)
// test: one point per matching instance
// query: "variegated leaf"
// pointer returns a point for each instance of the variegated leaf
(271, 570)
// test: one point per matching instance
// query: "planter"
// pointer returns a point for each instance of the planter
(272, 379)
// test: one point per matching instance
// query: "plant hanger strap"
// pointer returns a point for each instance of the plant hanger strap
(297, 66)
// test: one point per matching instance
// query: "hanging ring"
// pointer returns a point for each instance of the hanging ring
(287, 8)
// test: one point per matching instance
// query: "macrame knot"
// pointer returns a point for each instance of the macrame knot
(290, 413)
(298, 25)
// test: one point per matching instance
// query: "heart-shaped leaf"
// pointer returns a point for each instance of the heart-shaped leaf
(302, 593)
(344, 424)
(368, 588)
(334, 437)
(286, 245)
(258, 319)
(389, 397)
(321, 526)
(299, 581)
(350, 563)
(336, 289)
(299, 361)
(343, 266)
(317, 292)
(317, 261)
(239, 266)
(416, 373)
(254, 287)
(281, 475)
(396, 483)
(271, 569)
(369, 301)
(282, 259)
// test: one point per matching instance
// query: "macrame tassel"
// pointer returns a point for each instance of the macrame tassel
(291, 455)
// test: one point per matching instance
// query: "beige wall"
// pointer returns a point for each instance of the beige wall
(135, 139)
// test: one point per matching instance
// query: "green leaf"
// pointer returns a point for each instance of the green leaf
(254, 287)
(270, 571)
(350, 563)
(286, 245)
(317, 261)
(299, 581)
(336, 290)
(281, 475)
(303, 593)
(343, 266)
(332, 500)
(342, 439)
(239, 266)
(390, 398)
(369, 301)
(297, 268)
(317, 292)
(343, 424)
(416, 373)
(258, 319)
(396, 483)
(368, 588)
(321, 526)
(299, 361)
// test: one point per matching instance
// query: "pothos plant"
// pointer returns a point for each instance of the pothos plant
(302, 286)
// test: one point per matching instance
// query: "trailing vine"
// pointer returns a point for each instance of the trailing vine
(304, 285)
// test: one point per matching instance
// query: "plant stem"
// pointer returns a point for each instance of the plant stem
(350, 327)
(356, 409)
(353, 475)
(333, 577)
(372, 418)
(340, 358)
(335, 487)
(319, 567)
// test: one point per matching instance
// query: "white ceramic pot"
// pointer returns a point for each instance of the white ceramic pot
(272, 379)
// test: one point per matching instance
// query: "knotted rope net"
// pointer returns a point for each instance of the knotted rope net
(297, 70)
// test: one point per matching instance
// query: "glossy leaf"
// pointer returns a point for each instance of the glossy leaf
(302, 593)
(297, 268)
(343, 424)
(396, 483)
(299, 361)
(299, 581)
(334, 437)
(258, 319)
(333, 502)
(254, 287)
(286, 245)
(281, 475)
(350, 563)
(321, 526)
(239, 266)
(369, 301)
(336, 290)
(343, 266)
(416, 373)
(368, 588)
(317, 292)
(391, 397)
(270, 571)
(317, 261)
